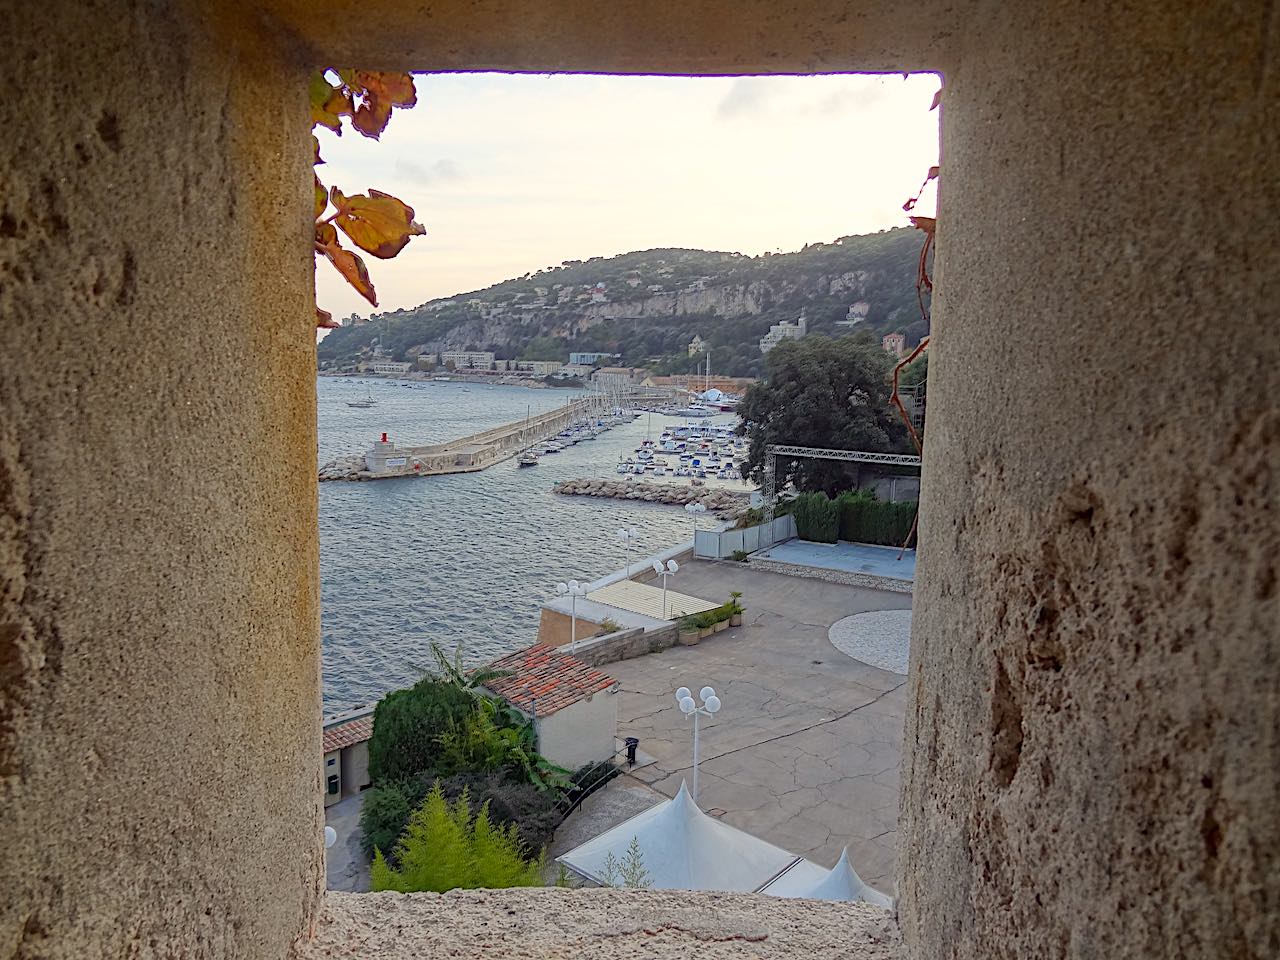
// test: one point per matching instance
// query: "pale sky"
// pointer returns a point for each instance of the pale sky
(510, 174)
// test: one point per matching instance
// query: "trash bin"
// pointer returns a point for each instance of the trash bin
(632, 743)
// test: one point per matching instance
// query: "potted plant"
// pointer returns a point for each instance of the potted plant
(721, 617)
(689, 631)
(735, 608)
(706, 626)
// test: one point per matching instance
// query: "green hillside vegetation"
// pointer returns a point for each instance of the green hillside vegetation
(537, 326)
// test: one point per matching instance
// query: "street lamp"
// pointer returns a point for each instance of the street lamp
(693, 509)
(669, 570)
(627, 534)
(710, 706)
(573, 590)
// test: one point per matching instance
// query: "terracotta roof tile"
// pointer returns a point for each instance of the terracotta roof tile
(345, 734)
(545, 680)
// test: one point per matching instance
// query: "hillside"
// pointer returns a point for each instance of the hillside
(647, 306)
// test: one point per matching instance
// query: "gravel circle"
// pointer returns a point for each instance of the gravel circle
(881, 638)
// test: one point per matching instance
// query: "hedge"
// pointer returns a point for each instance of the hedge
(864, 519)
(817, 518)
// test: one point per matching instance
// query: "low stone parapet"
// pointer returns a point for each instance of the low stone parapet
(625, 645)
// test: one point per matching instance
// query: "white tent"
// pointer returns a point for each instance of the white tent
(841, 882)
(684, 849)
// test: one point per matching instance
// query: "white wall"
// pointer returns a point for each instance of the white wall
(579, 734)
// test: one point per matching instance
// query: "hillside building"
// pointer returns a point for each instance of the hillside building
(389, 366)
(894, 343)
(696, 346)
(786, 330)
(591, 359)
(468, 359)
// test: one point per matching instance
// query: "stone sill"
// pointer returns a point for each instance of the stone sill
(544, 922)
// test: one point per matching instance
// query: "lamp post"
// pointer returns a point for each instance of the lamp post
(693, 509)
(627, 534)
(709, 707)
(573, 590)
(669, 570)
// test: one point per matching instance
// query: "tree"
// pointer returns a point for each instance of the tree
(407, 725)
(821, 392)
(445, 847)
(629, 871)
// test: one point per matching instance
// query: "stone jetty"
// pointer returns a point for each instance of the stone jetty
(724, 503)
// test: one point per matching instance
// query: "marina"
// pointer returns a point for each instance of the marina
(468, 556)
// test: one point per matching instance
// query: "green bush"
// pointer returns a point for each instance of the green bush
(865, 519)
(740, 556)
(817, 518)
(534, 813)
(384, 813)
(407, 725)
(446, 847)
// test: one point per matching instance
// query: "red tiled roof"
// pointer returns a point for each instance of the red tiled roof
(545, 680)
(345, 734)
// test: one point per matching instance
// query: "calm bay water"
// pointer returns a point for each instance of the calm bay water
(466, 558)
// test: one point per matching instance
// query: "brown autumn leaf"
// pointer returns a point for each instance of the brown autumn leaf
(931, 175)
(378, 223)
(379, 92)
(322, 197)
(937, 99)
(316, 140)
(352, 269)
(927, 224)
(326, 103)
(325, 234)
(324, 320)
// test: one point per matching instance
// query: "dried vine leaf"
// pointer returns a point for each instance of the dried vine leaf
(937, 99)
(324, 320)
(927, 224)
(326, 234)
(378, 223)
(351, 267)
(322, 198)
(379, 93)
(328, 104)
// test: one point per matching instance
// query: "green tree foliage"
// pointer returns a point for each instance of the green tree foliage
(628, 870)
(407, 725)
(821, 393)
(446, 847)
(385, 811)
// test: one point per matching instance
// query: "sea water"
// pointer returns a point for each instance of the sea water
(463, 559)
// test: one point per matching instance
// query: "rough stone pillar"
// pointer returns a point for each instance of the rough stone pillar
(1092, 749)
(159, 661)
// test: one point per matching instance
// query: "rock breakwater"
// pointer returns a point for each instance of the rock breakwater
(723, 503)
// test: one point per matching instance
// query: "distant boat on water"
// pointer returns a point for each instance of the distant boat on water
(364, 404)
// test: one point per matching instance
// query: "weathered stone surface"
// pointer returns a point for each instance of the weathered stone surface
(1094, 737)
(525, 923)
(718, 501)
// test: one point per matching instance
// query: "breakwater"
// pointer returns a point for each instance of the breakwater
(726, 504)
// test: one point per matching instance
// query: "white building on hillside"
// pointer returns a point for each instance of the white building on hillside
(468, 359)
(786, 330)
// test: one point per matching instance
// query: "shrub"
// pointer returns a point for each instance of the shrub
(534, 813)
(446, 847)
(817, 518)
(407, 725)
(740, 556)
(865, 519)
(610, 626)
(384, 813)
(629, 871)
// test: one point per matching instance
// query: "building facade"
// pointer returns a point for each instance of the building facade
(786, 330)
(468, 359)
(591, 359)
(894, 343)
(389, 366)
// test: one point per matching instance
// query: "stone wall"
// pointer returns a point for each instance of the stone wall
(1092, 748)
(159, 641)
(626, 645)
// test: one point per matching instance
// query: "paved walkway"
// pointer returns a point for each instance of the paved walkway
(806, 750)
(346, 866)
(848, 557)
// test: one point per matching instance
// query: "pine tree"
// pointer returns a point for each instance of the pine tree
(445, 847)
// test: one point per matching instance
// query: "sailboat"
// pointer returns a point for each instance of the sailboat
(364, 404)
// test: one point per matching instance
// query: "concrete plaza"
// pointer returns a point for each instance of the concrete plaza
(806, 750)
